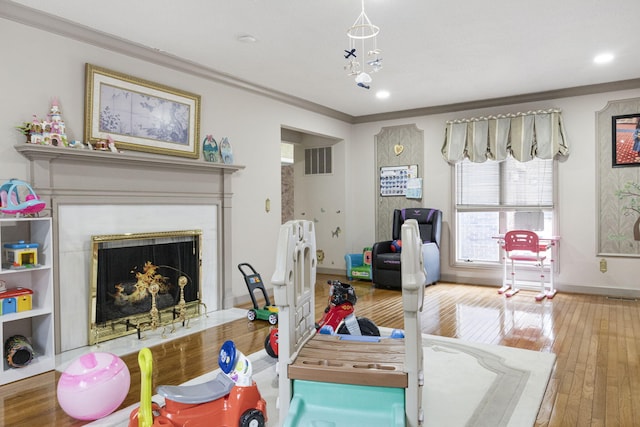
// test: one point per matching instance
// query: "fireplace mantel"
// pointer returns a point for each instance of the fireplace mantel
(45, 153)
(65, 177)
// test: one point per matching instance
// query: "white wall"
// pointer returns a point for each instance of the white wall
(252, 123)
(579, 263)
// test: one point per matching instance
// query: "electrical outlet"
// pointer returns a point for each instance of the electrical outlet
(603, 265)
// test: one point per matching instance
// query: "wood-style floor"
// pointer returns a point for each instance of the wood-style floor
(596, 380)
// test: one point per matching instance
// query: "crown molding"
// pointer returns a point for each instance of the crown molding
(72, 30)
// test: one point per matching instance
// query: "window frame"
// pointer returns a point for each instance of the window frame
(503, 211)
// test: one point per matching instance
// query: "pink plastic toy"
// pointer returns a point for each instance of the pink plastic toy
(93, 386)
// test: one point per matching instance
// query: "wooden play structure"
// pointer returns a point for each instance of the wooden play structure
(345, 380)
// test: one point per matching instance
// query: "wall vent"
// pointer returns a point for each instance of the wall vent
(317, 161)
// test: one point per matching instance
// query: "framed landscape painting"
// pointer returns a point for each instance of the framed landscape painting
(140, 115)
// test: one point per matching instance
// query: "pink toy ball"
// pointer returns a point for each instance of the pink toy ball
(93, 386)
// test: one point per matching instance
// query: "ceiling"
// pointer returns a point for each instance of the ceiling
(434, 53)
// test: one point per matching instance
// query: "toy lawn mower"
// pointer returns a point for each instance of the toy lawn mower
(254, 281)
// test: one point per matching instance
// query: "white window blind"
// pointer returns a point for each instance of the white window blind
(509, 183)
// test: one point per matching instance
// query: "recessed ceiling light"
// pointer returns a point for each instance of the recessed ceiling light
(382, 94)
(246, 38)
(603, 58)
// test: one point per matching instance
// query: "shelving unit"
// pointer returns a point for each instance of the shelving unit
(37, 324)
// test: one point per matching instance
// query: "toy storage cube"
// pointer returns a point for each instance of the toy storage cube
(24, 303)
(9, 305)
(16, 300)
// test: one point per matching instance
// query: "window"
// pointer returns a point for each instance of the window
(317, 161)
(494, 197)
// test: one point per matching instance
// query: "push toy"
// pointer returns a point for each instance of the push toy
(14, 201)
(231, 399)
(338, 317)
(254, 281)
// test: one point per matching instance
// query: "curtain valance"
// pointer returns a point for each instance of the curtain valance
(522, 135)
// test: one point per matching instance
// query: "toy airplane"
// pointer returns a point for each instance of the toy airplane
(364, 85)
(349, 53)
(11, 199)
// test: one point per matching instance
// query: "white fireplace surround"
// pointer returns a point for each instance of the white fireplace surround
(92, 193)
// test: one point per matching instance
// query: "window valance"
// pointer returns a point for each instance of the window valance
(521, 135)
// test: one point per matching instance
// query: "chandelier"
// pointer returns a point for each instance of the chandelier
(363, 47)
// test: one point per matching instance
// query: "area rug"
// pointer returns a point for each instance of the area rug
(465, 384)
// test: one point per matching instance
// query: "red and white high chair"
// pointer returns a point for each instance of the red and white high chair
(525, 246)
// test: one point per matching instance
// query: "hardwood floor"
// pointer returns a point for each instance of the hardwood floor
(596, 380)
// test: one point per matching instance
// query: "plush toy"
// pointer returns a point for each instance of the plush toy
(396, 246)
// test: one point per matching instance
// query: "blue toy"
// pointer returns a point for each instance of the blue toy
(18, 198)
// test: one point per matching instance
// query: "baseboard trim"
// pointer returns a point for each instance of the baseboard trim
(560, 287)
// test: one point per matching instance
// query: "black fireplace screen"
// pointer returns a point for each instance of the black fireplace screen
(137, 272)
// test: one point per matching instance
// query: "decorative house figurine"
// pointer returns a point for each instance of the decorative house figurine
(50, 131)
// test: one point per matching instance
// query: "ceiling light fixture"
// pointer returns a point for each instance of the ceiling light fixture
(603, 58)
(363, 46)
(382, 94)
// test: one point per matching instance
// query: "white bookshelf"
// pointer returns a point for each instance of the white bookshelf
(37, 324)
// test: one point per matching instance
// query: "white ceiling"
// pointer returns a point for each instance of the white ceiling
(434, 52)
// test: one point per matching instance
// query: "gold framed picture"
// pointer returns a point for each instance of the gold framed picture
(140, 115)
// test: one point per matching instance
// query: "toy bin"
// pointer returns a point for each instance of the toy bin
(8, 305)
(16, 300)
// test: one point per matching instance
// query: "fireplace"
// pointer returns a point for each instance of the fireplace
(143, 281)
(92, 193)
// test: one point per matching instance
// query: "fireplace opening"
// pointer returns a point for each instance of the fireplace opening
(143, 281)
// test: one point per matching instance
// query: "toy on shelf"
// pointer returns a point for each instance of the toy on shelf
(15, 300)
(18, 351)
(232, 398)
(18, 198)
(21, 254)
(254, 281)
(93, 386)
(371, 380)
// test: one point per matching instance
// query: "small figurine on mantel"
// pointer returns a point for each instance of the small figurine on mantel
(210, 150)
(49, 131)
(225, 151)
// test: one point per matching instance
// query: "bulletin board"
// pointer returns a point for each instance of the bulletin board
(394, 180)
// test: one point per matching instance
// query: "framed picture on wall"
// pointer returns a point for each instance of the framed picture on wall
(625, 137)
(140, 115)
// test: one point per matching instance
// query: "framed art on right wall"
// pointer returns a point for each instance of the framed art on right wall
(625, 139)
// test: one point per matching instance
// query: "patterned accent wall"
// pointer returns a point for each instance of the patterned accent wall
(286, 179)
(396, 146)
(616, 224)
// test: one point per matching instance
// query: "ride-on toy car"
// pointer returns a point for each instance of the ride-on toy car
(338, 317)
(230, 399)
(254, 281)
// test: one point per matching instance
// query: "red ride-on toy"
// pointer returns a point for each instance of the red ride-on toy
(338, 317)
(254, 281)
(230, 399)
